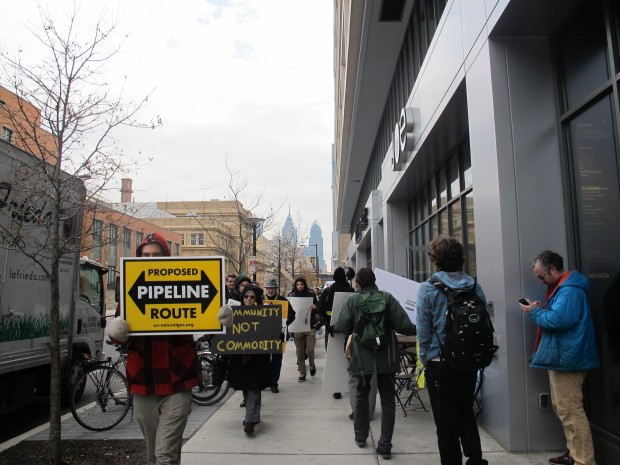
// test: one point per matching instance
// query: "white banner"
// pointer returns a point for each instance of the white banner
(403, 289)
(301, 306)
(336, 376)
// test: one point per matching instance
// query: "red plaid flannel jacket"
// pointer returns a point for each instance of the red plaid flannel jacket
(162, 365)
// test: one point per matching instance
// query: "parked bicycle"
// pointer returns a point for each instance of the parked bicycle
(213, 384)
(100, 398)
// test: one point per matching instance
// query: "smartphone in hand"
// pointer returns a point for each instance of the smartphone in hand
(523, 301)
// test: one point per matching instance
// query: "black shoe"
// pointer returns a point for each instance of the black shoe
(301, 378)
(386, 454)
(248, 427)
(312, 371)
(352, 416)
(564, 459)
(360, 443)
(337, 395)
(242, 404)
(275, 389)
(306, 355)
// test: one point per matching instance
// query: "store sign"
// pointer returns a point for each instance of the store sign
(403, 139)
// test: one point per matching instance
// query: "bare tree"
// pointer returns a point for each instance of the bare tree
(231, 235)
(65, 117)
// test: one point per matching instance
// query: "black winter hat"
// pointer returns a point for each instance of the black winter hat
(339, 275)
(239, 279)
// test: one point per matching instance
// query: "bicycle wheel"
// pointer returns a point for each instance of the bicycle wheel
(100, 399)
(208, 393)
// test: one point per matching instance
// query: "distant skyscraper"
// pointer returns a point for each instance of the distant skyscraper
(289, 230)
(316, 237)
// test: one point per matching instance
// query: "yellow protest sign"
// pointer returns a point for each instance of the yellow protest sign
(172, 295)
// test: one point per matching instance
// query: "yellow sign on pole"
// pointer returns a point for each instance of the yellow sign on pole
(172, 295)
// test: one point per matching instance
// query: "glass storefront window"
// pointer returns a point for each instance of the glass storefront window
(442, 219)
(454, 178)
(467, 177)
(456, 220)
(443, 190)
(584, 55)
(432, 194)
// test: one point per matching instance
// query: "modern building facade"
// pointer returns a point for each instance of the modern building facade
(497, 122)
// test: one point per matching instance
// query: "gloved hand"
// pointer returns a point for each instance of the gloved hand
(118, 330)
(225, 316)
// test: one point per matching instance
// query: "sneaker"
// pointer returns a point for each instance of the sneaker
(386, 454)
(564, 459)
(312, 371)
(275, 389)
(360, 443)
(301, 378)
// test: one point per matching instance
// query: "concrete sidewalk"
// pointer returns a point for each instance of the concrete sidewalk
(304, 425)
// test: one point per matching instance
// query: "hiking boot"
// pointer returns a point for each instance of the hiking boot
(564, 459)
(386, 454)
(301, 378)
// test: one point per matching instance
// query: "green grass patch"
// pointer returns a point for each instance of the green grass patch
(18, 328)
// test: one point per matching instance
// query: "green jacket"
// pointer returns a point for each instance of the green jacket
(366, 361)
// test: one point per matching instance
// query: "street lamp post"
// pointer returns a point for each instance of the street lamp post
(254, 222)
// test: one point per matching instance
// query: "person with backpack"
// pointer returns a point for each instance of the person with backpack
(451, 381)
(373, 317)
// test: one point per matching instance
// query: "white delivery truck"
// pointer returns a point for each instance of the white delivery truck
(25, 291)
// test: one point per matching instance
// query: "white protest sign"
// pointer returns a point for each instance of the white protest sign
(404, 290)
(301, 306)
(336, 376)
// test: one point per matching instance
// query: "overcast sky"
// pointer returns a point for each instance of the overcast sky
(250, 81)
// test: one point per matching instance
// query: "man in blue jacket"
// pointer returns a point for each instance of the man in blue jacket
(566, 347)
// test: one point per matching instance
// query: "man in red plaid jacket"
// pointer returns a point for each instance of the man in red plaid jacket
(161, 371)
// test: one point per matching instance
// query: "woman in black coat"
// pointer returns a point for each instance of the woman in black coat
(250, 373)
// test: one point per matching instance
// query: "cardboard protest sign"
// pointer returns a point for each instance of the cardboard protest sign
(301, 306)
(284, 305)
(404, 290)
(256, 329)
(172, 295)
(336, 377)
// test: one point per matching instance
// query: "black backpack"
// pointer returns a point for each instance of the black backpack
(469, 331)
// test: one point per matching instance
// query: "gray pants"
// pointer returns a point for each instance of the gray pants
(372, 397)
(387, 393)
(162, 420)
(252, 406)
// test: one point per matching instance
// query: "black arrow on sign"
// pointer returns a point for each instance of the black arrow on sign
(177, 286)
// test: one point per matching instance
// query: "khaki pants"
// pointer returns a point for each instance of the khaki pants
(162, 420)
(567, 400)
(304, 343)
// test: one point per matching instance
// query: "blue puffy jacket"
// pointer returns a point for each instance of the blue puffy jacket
(568, 342)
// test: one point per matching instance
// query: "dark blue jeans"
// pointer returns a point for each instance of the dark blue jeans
(361, 426)
(452, 398)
